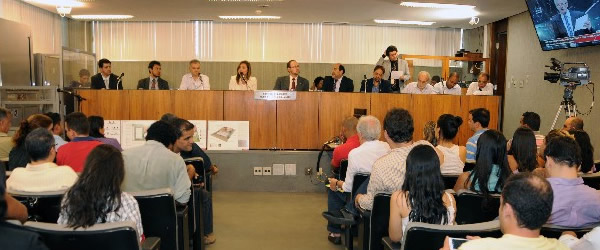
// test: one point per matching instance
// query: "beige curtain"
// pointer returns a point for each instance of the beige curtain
(45, 26)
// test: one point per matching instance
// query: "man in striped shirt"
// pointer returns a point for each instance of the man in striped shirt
(479, 120)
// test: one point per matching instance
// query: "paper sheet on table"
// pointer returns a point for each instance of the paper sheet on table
(579, 23)
(397, 74)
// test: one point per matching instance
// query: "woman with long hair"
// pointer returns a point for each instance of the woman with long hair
(97, 197)
(524, 151)
(243, 80)
(587, 151)
(491, 165)
(454, 155)
(97, 131)
(422, 197)
(18, 156)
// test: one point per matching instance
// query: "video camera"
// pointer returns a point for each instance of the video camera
(573, 76)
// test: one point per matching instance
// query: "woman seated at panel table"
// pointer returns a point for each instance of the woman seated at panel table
(244, 79)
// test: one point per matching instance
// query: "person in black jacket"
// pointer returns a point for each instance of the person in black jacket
(105, 79)
(377, 84)
(153, 81)
(337, 82)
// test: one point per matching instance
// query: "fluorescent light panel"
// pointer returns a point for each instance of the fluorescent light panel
(245, 0)
(249, 17)
(66, 3)
(436, 5)
(101, 17)
(402, 22)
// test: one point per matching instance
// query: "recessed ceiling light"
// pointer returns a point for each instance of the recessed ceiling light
(402, 22)
(67, 3)
(436, 5)
(101, 17)
(245, 0)
(249, 17)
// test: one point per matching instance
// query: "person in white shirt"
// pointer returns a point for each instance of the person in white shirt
(243, 80)
(360, 160)
(589, 241)
(421, 86)
(482, 86)
(41, 175)
(194, 80)
(449, 87)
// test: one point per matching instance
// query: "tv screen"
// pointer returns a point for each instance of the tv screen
(562, 24)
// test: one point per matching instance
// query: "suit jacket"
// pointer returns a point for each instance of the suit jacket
(347, 84)
(387, 65)
(145, 84)
(384, 86)
(560, 31)
(98, 82)
(283, 83)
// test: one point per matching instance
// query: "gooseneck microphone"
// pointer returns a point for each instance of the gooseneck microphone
(119, 79)
(365, 76)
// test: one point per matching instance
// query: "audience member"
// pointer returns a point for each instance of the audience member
(525, 205)
(429, 133)
(479, 119)
(422, 197)
(97, 131)
(575, 204)
(154, 165)
(352, 141)
(589, 241)
(18, 156)
(97, 196)
(74, 153)
(388, 171)
(6, 142)
(84, 80)
(435, 80)
(57, 129)
(482, 86)
(421, 86)
(491, 167)
(555, 133)
(337, 82)
(243, 80)
(105, 79)
(376, 84)
(449, 87)
(317, 84)
(587, 151)
(293, 81)
(573, 123)
(194, 80)
(532, 120)
(396, 69)
(360, 160)
(41, 175)
(153, 81)
(454, 155)
(523, 151)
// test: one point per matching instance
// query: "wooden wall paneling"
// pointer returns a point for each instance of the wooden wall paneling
(335, 107)
(382, 103)
(150, 104)
(241, 106)
(429, 108)
(110, 104)
(467, 103)
(197, 105)
(298, 122)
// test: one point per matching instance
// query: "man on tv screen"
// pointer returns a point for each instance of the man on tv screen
(569, 23)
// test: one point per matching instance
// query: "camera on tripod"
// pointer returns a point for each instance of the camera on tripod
(573, 76)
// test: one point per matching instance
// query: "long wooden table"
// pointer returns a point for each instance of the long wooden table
(305, 123)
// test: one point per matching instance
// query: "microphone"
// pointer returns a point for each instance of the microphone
(119, 79)
(365, 76)
(70, 93)
(243, 78)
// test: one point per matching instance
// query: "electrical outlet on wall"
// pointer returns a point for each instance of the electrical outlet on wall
(520, 83)
(266, 170)
(526, 80)
(513, 82)
(258, 171)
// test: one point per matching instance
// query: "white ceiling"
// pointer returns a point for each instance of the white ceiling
(299, 11)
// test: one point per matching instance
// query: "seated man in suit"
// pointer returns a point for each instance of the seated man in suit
(293, 82)
(105, 79)
(377, 84)
(564, 23)
(337, 82)
(153, 81)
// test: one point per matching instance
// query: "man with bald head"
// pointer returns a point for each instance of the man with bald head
(482, 86)
(337, 82)
(349, 133)
(292, 82)
(421, 86)
(573, 123)
(449, 87)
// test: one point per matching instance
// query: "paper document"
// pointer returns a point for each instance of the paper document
(580, 22)
(397, 74)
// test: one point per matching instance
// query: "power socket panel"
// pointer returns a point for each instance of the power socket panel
(258, 171)
(266, 171)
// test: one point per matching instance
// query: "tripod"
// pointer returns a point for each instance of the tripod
(567, 104)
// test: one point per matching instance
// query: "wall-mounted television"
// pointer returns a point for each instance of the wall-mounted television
(562, 24)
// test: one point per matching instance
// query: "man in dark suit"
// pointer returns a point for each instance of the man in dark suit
(153, 81)
(564, 23)
(337, 82)
(293, 82)
(377, 83)
(105, 79)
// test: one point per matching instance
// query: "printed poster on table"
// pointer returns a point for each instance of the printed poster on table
(228, 135)
(112, 129)
(133, 132)
(200, 134)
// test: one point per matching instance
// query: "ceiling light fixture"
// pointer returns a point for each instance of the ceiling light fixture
(250, 17)
(436, 5)
(63, 10)
(245, 0)
(101, 17)
(66, 3)
(474, 20)
(402, 22)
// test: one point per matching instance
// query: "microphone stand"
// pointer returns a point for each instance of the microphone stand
(79, 97)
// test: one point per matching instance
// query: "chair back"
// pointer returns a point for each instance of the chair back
(428, 236)
(159, 217)
(114, 236)
(359, 179)
(343, 170)
(449, 180)
(476, 208)
(554, 231)
(592, 180)
(198, 164)
(380, 219)
(42, 206)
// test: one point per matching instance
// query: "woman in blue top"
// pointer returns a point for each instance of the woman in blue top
(491, 165)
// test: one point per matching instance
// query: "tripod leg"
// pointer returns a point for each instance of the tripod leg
(560, 107)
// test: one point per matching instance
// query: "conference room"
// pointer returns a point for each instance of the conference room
(299, 124)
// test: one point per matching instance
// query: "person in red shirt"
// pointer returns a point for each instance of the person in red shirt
(74, 153)
(349, 132)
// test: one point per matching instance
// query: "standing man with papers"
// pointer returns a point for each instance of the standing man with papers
(396, 69)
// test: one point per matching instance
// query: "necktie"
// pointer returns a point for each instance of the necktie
(153, 84)
(293, 83)
(569, 26)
